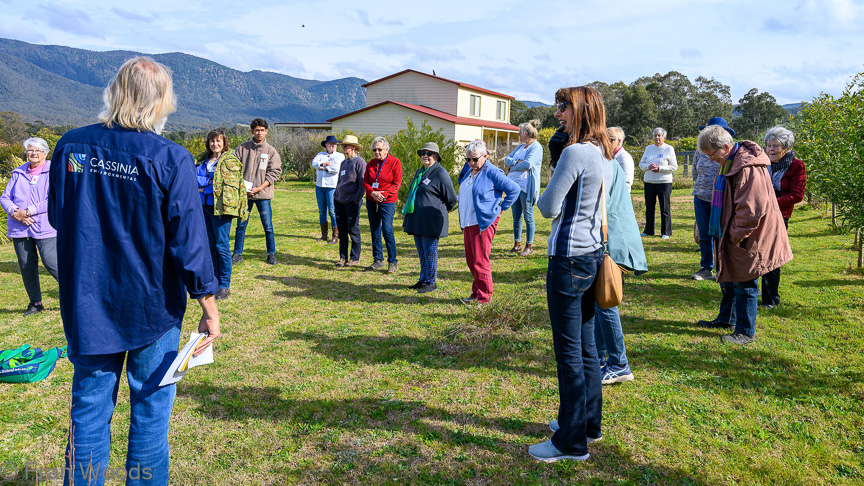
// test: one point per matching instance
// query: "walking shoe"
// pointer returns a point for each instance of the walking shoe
(375, 265)
(392, 267)
(417, 285)
(222, 294)
(352, 263)
(429, 287)
(271, 259)
(516, 249)
(766, 306)
(738, 338)
(33, 309)
(341, 262)
(703, 274)
(468, 300)
(553, 426)
(645, 234)
(715, 324)
(235, 259)
(665, 237)
(547, 452)
(617, 374)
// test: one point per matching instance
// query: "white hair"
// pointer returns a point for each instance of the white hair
(477, 147)
(660, 131)
(39, 143)
(784, 137)
(713, 137)
(382, 141)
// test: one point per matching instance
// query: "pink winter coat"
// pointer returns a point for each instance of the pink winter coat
(754, 240)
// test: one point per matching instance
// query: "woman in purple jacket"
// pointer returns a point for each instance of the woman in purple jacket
(25, 200)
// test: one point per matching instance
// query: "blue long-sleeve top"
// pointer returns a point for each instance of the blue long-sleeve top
(131, 236)
(532, 162)
(205, 181)
(488, 187)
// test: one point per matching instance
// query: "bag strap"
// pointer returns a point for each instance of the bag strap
(10, 354)
(604, 225)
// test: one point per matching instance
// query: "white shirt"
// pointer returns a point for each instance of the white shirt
(467, 214)
(327, 176)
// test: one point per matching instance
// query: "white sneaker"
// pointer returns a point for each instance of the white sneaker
(547, 452)
(553, 426)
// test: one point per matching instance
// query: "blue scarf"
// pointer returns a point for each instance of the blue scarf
(714, 228)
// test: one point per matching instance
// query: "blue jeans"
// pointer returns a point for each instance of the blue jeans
(266, 215)
(218, 234)
(608, 332)
(324, 196)
(570, 296)
(520, 209)
(706, 242)
(381, 221)
(739, 304)
(95, 383)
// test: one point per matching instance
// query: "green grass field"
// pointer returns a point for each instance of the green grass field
(347, 377)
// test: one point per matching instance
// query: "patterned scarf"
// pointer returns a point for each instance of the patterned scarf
(714, 228)
(779, 169)
(412, 192)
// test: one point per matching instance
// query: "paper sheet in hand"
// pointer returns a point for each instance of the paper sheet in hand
(185, 360)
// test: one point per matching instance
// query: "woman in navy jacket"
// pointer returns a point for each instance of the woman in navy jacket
(481, 186)
(430, 197)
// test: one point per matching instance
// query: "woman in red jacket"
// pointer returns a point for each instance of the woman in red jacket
(382, 182)
(789, 179)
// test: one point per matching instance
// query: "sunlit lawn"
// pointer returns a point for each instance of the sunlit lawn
(325, 376)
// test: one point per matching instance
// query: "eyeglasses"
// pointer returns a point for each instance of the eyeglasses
(423, 153)
(563, 105)
(474, 159)
(378, 150)
(33, 151)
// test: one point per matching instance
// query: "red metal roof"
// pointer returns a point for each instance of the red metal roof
(461, 120)
(464, 85)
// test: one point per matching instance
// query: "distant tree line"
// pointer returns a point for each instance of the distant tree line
(673, 102)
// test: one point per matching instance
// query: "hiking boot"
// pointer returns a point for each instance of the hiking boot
(341, 262)
(703, 274)
(235, 259)
(222, 294)
(392, 267)
(547, 452)
(617, 374)
(738, 338)
(352, 263)
(553, 426)
(527, 251)
(715, 324)
(271, 259)
(429, 287)
(517, 247)
(376, 265)
(33, 309)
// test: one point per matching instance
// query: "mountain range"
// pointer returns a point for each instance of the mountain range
(63, 85)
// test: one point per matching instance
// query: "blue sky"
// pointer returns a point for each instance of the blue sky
(792, 49)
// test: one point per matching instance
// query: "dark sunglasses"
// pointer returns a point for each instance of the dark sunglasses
(421, 153)
(563, 105)
(473, 159)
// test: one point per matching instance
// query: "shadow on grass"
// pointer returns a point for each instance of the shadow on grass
(411, 425)
(495, 353)
(832, 282)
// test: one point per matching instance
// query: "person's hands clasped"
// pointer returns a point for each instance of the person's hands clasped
(378, 196)
(20, 215)
(654, 167)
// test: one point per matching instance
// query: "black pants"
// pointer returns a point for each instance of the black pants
(663, 192)
(771, 282)
(348, 223)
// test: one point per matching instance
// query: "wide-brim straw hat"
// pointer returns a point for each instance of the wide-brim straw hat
(351, 140)
(430, 147)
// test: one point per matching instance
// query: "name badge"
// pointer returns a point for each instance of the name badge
(374, 185)
(426, 181)
(263, 164)
(34, 180)
(343, 173)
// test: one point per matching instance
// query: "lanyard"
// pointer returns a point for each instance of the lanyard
(380, 165)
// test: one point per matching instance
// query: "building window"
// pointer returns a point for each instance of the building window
(475, 105)
(501, 113)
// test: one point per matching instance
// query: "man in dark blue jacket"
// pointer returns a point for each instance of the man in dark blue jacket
(132, 243)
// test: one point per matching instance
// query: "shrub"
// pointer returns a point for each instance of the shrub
(297, 151)
(3, 238)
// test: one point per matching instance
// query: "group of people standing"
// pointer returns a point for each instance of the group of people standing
(160, 256)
